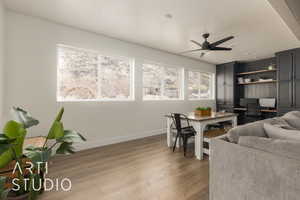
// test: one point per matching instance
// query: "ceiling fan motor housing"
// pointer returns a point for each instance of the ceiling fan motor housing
(206, 35)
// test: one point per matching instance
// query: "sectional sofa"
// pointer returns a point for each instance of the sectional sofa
(258, 161)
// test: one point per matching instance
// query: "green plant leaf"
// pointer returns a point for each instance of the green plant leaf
(60, 114)
(56, 131)
(33, 148)
(36, 155)
(13, 129)
(5, 140)
(71, 137)
(24, 117)
(16, 133)
(65, 148)
(6, 158)
(4, 148)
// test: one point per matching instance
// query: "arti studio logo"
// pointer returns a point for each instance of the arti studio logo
(47, 184)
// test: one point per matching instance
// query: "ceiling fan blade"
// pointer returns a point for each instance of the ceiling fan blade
(221, 49)
(190, 51)
(197, 43)
(222, 41)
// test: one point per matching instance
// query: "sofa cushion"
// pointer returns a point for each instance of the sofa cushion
(286, 148)
(251, 129)
(281, 123)
(275, 132)
(293, 119)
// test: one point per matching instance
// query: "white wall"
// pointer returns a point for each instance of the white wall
(31, 82)
(2, 46)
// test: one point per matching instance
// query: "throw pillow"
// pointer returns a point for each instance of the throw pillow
(292, 118)
(281, 123)
(280, 133)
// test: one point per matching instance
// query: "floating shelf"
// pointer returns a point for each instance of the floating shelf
(262, 110)
(258, 82)
(257, 72)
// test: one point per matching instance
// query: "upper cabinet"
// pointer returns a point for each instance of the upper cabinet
(285, 65)
(220, 89)
(288, 96)
(225, 74)
(297, 63)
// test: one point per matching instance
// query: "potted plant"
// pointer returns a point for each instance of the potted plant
(11, 150)
(203, 111)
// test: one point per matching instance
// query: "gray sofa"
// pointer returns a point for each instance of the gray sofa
(248, 164)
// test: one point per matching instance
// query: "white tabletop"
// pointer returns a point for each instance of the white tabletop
(214, 115)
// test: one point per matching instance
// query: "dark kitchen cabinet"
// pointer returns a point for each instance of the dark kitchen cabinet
(225, 74)
(297, 93)
(288, 76)
(220, 89)
(297, 63)
(285, 94)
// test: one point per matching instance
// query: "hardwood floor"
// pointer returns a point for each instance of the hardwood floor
(143, 169)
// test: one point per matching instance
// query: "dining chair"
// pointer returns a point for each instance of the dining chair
(253, 113)
(182, 132)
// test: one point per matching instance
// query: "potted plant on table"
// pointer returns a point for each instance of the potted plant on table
(203, 111)
(58, 141)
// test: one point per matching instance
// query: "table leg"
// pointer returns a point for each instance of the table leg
(234, 121)
(198, 140)
(169, 137)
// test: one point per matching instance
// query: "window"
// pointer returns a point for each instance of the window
(200, 85)
(162, 83)
(86, 75)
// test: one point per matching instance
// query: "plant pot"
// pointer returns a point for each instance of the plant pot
(203, 113)
(22, 197)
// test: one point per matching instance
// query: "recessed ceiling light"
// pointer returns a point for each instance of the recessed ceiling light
(169, 16)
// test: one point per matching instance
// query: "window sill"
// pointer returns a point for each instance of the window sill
(104, 100)
(163, 99)
(201, 99)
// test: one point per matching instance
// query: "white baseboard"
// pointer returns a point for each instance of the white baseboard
(114, 140)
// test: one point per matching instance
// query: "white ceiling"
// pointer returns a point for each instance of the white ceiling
(289, 12)
(259, 30)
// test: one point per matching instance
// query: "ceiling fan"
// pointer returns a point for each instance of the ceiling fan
(207, 46)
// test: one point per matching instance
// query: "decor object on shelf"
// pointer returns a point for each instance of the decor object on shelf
(265, 79)
(248, 80)
(240, 80)
(58, 141)
(203, 111)
(271, 67)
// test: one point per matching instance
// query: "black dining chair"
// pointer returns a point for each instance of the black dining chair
(253, 112)
(182, 132)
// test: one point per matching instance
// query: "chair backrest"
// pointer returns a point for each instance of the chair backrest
(177, 120)
(253, 109)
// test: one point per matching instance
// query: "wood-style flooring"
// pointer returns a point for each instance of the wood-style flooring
(143, 169)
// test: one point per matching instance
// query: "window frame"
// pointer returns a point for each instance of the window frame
(182, 81)
(131, 77)
(213, 85)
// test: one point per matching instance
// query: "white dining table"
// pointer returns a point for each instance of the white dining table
(199, 123)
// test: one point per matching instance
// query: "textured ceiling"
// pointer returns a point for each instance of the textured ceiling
(258, 29)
